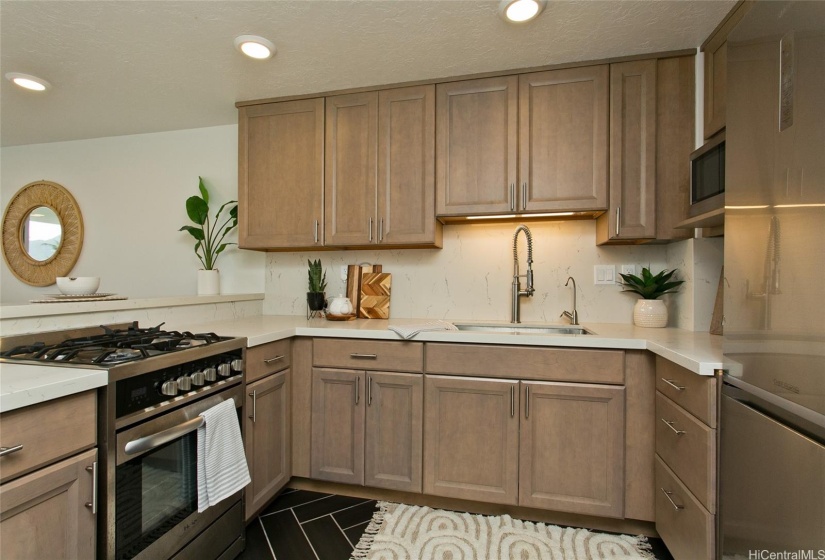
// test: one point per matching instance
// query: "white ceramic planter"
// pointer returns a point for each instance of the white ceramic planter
(209, 282)
(650, 313)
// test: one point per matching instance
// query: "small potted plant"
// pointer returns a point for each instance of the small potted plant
(650, 311)
(209, 237)
(317, 284)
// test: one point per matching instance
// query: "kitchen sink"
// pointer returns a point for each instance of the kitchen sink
(523, 329)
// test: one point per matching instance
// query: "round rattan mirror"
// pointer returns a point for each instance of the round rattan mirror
(42, 233)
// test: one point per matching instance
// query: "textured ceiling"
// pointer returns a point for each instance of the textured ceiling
(125, 67)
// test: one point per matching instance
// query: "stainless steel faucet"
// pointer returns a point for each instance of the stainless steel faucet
(574, 316)
(515, 311)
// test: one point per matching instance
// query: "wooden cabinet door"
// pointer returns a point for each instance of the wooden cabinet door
(471, 433)
(632, 213)
(281, 174)
(267, 439)
(406, 167)
(337, 426)
(715, 90)
(476, 146)
(350, 173)
(395, 405)
(563, 141)
(572, 448)
(44, 514)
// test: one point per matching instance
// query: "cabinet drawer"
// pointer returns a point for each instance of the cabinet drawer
(368, 354)
(527, 362)
(684, 525)
(267, 358)
(689, 449)
(47, 431)
(695, 393)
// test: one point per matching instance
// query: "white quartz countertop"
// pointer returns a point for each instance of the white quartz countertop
(698, 352)
(27, 384)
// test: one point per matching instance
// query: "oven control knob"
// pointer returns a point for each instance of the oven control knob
(210, 374)
(169, 388)
(237, 365)
(184, 383)
(224, 370)
(198, 379)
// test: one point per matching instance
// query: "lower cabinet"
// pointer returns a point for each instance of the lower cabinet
(569, 456)
(366, 428)
(268, 446)
(49, 513)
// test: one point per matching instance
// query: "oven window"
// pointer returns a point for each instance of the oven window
(155, 492)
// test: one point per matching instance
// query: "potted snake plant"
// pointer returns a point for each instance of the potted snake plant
(209, 235)
(650, 311)
(316, 298)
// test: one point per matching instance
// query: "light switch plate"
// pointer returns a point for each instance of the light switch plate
(604, 274)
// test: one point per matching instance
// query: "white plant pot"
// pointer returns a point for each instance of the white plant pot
(650, 313)
(209, 282)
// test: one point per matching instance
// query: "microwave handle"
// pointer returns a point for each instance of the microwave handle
(149, 442)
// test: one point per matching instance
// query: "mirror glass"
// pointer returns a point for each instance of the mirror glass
(41, 233)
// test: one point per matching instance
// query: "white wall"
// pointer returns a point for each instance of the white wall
(132, 191)
(470, 277)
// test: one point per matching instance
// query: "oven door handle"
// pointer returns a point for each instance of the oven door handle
(156, 440)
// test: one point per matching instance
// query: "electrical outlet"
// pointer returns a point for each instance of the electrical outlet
(629, 269)
(344, 272)
(604, 274)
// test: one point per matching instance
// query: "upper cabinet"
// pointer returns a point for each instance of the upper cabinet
(477, 146)
(651, 137)
(281, 175)
(523, 144)
(380, 160)
(563, 139)
(716, 70)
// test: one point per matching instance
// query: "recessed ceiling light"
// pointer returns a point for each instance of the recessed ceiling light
(254, 46)
(28, 81)
(520, 11)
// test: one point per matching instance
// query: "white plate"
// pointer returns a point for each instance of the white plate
(79, 296)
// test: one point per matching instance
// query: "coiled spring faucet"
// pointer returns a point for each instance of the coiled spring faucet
(515, 311)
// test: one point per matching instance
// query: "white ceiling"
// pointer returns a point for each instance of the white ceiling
(126, 67)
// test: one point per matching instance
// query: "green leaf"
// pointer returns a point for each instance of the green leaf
(197, 233)
(204, 192)
(197, 209)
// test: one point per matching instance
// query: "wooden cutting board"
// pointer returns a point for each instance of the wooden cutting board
(375, 295)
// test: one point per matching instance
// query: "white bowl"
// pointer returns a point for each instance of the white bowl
(78, 285)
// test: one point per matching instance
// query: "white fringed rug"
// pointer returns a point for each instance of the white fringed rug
(402, 532)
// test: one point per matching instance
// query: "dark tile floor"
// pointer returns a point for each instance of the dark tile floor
(303, 525)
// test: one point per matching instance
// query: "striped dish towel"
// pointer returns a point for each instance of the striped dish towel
(222, 468)
(409, 331)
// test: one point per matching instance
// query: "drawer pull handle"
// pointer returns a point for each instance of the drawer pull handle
(670, 425)
(676, 506)
(9, 450)
(93, 504)
(275, 359)
(673, 384)
(364, 356)
(254, 395)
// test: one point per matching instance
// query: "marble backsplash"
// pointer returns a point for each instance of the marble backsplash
(471, 277)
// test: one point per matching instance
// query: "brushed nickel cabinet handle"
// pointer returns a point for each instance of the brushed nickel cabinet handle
(370, 229)
(381, 230)
(369, 390)
(254, 395)
(524, 195)
(618, 218)
(9, 450)
(673, 384)
(527, 403)
(676, 506)
(357, 389)
(512, 197)
(363, 356)
(316, 232)
(670, 425)
(93, 504)
(512, 401)
(275, 359)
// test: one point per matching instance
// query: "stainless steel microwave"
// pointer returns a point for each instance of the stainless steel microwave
(707, 176)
